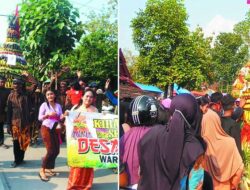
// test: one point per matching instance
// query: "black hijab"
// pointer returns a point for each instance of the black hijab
(167, 153)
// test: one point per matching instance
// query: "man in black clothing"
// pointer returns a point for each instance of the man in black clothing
(4, 93)
(229, 125)
(37, 98)
(19, 112)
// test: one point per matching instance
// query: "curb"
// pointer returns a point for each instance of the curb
(3, 182)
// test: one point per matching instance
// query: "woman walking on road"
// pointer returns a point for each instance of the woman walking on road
(50, 113)
(82, 178)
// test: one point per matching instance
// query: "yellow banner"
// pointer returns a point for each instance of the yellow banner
(92, 140)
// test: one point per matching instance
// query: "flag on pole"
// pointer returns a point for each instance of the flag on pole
(17, 22)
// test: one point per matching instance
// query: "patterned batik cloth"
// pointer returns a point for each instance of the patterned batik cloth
(22, 135)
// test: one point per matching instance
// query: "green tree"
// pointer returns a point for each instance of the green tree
(131, 61)
(229, 55)
(168, 51)
(49, 31)
(243, 29)
(191, 64)
(130, 57)
(96, 54)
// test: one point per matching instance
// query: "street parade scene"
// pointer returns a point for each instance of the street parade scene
(184, 95)
(58, 95)
(125, 94)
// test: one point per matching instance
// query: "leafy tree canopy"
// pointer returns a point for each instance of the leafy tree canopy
(96, 54)
(49, 31)
(168, 51)
(229, 55)
(243, 29)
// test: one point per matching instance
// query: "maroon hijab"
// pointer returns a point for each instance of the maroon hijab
(129, 153)
(167, 153)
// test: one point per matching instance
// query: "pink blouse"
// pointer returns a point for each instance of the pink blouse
(45, 109)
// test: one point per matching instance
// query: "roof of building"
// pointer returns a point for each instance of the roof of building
(150, 88)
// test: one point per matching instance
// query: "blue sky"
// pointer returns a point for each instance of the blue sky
(84, 6)
(212, 15)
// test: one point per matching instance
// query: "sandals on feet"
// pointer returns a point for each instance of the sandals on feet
(43, 177)
(51, 173)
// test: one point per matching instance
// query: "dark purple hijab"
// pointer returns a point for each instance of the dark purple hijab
(167, 153)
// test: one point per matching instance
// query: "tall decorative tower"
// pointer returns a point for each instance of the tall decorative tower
(12, 62)
(11, 56)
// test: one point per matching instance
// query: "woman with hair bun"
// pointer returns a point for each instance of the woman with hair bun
(82, 178)
(50, 114)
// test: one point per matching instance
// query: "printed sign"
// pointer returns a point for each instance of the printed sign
(11, 60)
(92, 140)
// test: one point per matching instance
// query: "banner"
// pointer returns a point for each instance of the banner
(92, 140)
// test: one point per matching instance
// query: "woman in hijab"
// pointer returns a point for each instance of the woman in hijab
(222, 158)
(167, 155)
(142, 115)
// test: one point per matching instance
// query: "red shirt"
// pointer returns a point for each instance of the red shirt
(74, 96)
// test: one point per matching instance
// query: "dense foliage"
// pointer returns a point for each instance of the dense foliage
(170, 53)
(96, 54)
(49, 31)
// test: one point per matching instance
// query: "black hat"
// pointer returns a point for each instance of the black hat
(39, 85)
(143, 110)
(93, 85)
(2, 78)
(18, 81)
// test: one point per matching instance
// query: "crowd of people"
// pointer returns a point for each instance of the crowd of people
(184, 142)
(32, 111)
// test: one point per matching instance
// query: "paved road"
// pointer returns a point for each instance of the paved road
(25, 177)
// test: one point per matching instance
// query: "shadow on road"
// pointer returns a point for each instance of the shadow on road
(26, 180)
(104, 186)
(60, 162)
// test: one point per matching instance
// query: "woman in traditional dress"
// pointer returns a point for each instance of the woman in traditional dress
(50, 114)
(82, 178)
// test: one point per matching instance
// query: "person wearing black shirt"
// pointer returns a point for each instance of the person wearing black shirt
(229, 125)
(4, 93)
